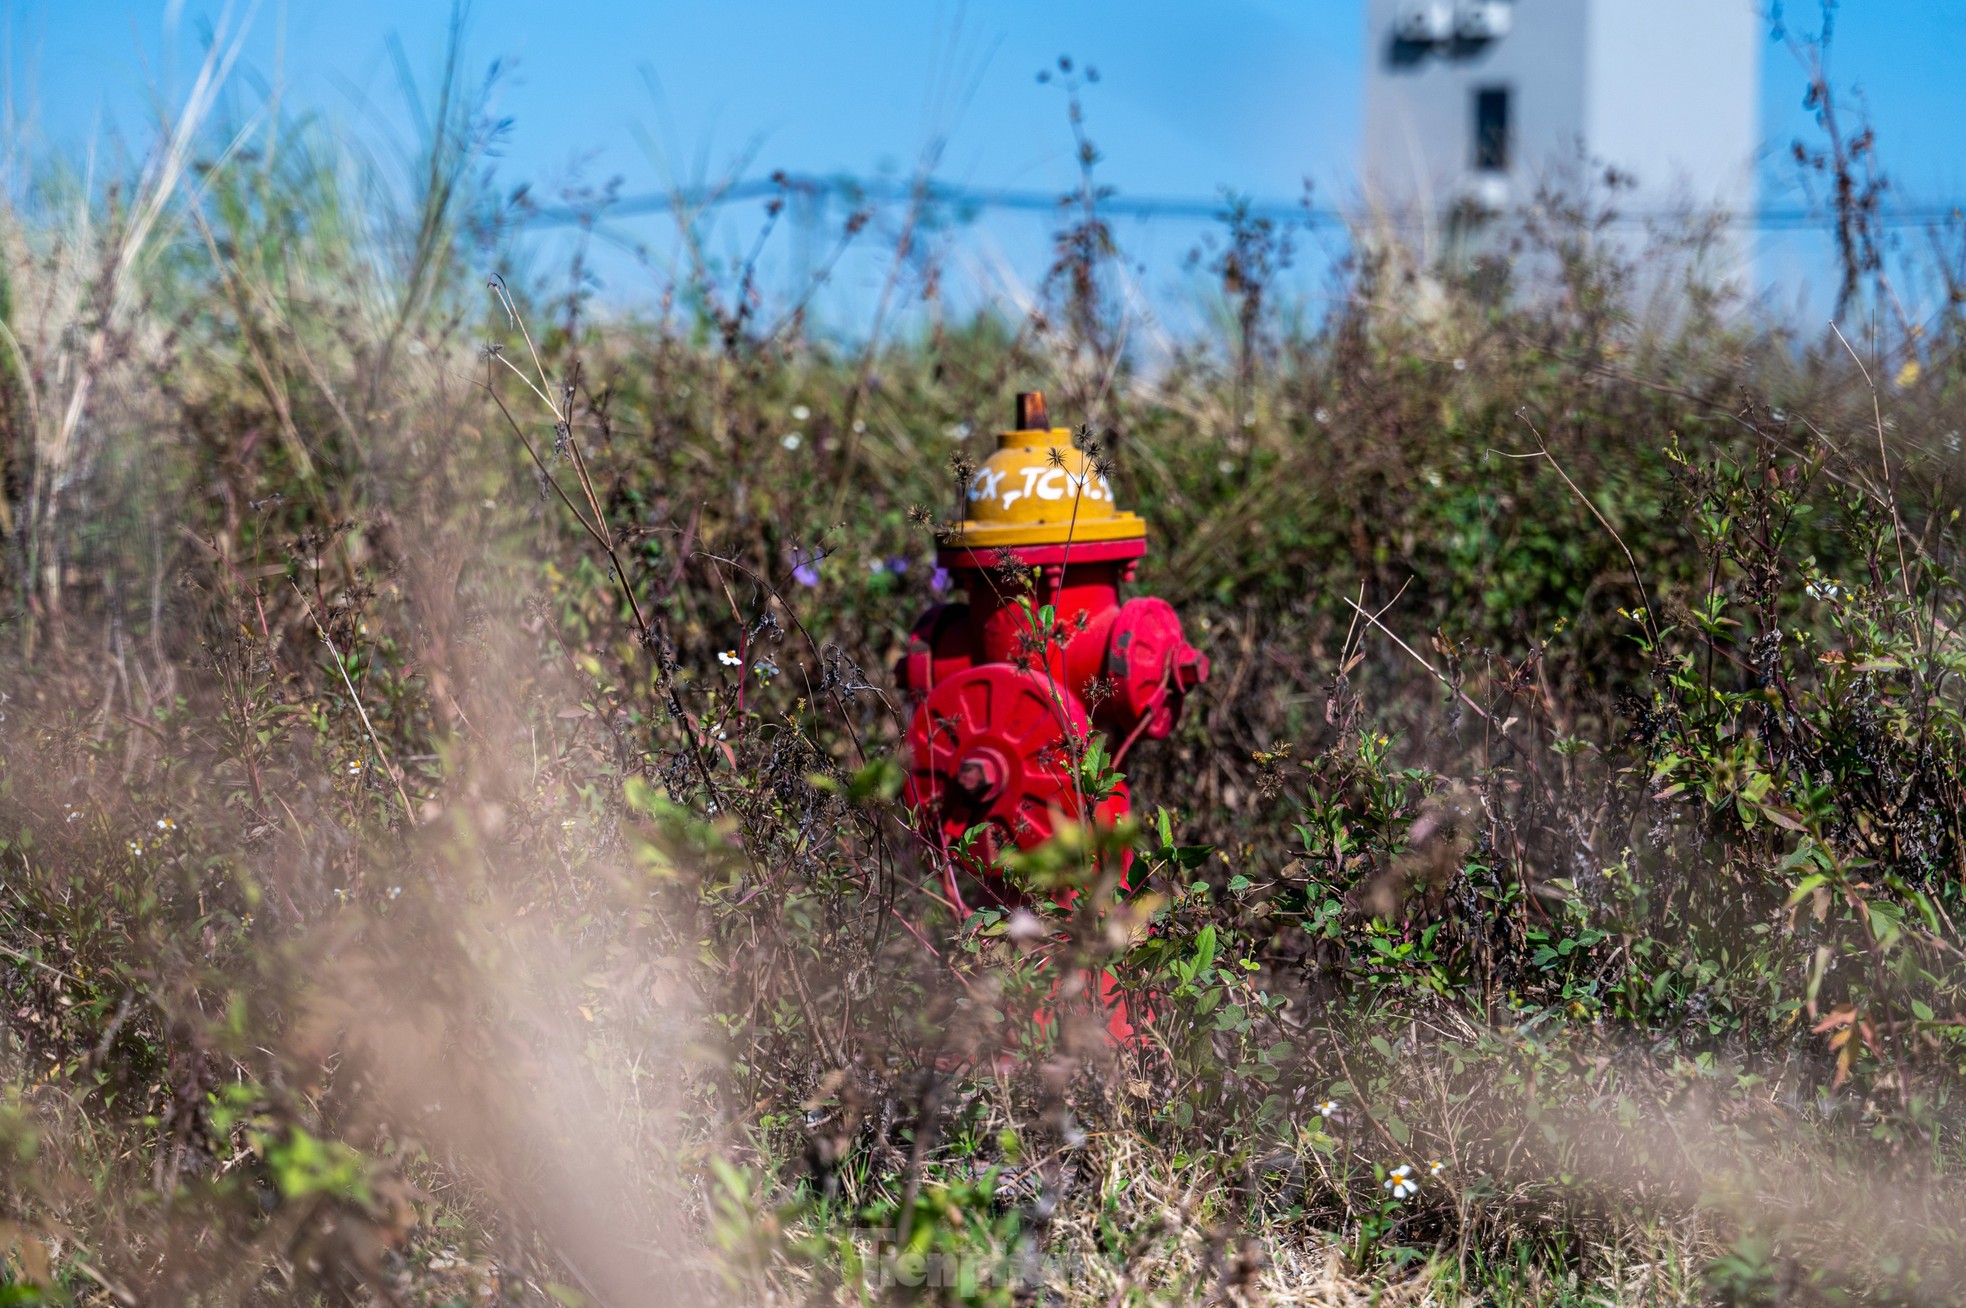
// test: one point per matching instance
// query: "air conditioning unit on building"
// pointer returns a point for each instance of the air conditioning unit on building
(1484, 20)
(1425, 22)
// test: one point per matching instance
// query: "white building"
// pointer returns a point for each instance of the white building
(1481, 100)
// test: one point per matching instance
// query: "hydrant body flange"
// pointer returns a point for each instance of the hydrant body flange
(1006, 701)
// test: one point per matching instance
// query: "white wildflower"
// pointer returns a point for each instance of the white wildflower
(1400, 1181)
(1328, 1108)
(791, 440)
(1436, 1167)
(729, 658)
(800, 413)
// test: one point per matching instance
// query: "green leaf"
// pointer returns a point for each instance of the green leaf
(1204, 948)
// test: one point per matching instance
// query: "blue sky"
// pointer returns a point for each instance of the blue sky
(1257, 95)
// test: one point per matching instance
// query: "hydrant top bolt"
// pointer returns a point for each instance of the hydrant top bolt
(1031, 415)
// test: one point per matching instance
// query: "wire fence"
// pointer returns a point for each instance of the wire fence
(967, 203)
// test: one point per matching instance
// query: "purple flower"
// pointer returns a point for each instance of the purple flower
(940, 581)
(897, 565)
(805, 567)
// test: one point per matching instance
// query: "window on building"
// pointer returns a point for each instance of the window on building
(1491, 129)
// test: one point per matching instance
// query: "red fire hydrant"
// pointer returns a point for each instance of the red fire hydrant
(1010, 686)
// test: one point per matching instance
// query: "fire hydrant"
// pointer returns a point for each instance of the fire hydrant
(1010, 686)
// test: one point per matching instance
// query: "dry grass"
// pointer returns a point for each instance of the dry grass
(403, 904)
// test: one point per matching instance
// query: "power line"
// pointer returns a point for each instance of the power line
(966, 203)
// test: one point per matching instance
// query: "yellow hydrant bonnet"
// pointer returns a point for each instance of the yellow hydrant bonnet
(1038, 489)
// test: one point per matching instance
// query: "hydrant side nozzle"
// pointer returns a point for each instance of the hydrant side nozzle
(1190, 670)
